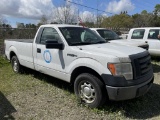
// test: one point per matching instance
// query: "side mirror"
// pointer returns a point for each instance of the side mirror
(52, 44)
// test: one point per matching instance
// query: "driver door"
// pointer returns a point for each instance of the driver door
(49, 61)
(154, 41)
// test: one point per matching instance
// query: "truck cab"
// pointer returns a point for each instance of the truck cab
(151, 35)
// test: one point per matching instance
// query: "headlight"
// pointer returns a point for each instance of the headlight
(121, 69)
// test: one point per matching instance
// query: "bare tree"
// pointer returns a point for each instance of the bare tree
(100, 19)
(65, 14)
(43, 20)
(88, 17)
(2, 21)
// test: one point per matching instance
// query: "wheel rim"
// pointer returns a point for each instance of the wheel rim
(15, 65)
(87, 92)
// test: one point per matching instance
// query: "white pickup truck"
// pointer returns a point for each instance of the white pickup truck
(112, 37)
(149, 35)
(97, 69)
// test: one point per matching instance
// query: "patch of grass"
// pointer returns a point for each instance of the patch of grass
(3, 62)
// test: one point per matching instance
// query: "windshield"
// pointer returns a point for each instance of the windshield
(80, 36)
(108, 34)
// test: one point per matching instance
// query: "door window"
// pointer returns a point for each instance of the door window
(138, 34)
(49, 34)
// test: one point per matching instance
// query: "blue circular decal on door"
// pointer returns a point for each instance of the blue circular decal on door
(47, 56)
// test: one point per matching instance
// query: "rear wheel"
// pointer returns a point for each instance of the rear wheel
(17, 68)
(90, 90)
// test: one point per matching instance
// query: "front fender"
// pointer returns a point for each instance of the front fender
(90, 63)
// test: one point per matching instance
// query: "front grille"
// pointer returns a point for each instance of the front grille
(141, 64)
(145, 64)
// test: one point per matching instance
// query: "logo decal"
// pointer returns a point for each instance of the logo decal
(47, 56)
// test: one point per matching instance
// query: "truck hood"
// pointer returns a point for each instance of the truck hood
(112, 49)
(129, 42)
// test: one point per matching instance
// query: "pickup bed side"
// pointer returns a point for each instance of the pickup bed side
(22, 49)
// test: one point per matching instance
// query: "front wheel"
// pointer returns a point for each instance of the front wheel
(17, 68)
(90, 90)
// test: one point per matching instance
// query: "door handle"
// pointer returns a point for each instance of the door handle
(38, 50)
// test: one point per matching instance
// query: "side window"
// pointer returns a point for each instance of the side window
(138, 34)
(153, 33)
(109, 35)
(49, 34)
(87, 36)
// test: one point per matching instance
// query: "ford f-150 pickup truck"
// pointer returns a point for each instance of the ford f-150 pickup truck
(149, 34)
(98, 70)
(112, 37)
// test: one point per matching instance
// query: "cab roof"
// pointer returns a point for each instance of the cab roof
(59, 25)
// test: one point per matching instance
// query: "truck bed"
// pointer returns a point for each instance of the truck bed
(23, 50)
(22, 40)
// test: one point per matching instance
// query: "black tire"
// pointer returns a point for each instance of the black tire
(90, 90)
(17, 68)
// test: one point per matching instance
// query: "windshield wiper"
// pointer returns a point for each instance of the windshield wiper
(81, 43)
(100, 42)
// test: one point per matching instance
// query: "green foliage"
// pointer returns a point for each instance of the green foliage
(89, 24)
(156, 16)
(123, 20)
(3, 62)
(144, 12)
(30, 26)
(143, 20)
(118, 21)
(157, 9)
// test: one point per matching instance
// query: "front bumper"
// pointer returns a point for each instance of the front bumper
(129, 92)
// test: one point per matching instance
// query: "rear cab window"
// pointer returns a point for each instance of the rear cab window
(138, 34)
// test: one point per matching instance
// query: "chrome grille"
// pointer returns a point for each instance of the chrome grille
(141, 64)
(144, 64)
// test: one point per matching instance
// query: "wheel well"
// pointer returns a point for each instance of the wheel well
(81, 70)
(12, 54)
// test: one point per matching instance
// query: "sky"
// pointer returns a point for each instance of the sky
(30, 11)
